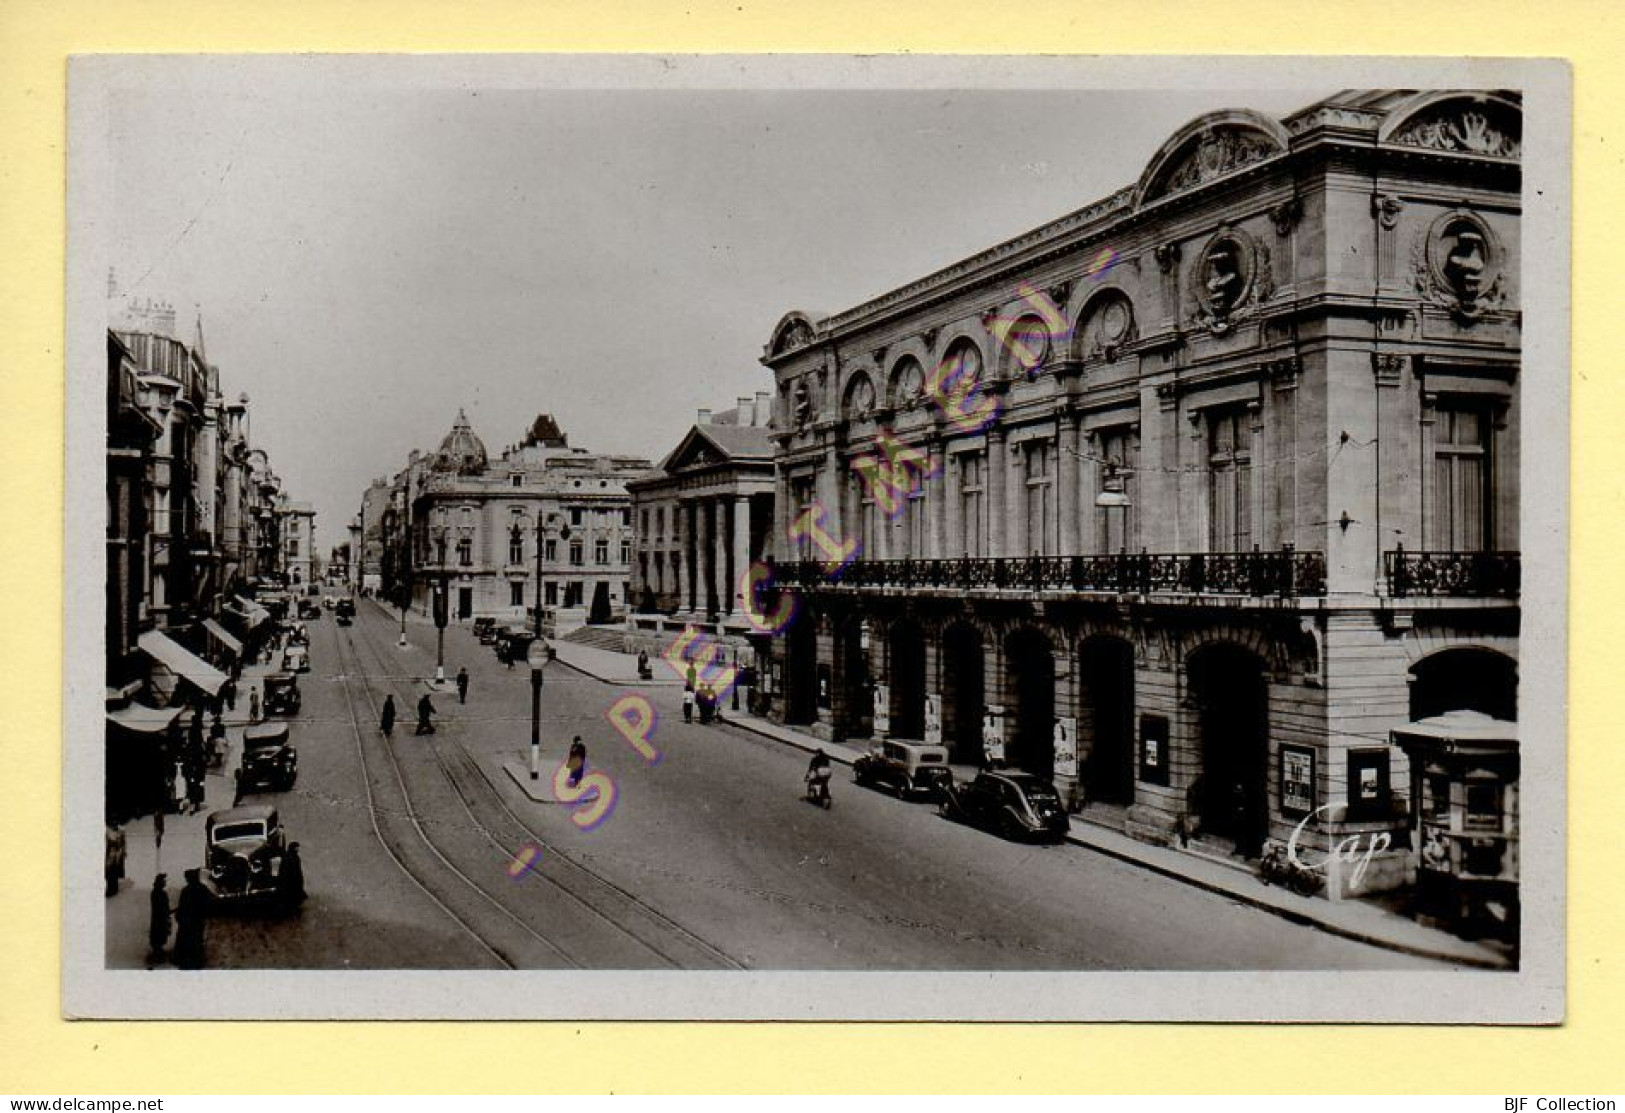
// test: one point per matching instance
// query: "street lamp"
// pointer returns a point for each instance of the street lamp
(537, 658)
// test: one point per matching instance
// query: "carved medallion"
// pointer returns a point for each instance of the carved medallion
(1223, 278)
(1457, 265)
(1218, 152)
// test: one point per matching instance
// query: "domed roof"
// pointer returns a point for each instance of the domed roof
(461, 452)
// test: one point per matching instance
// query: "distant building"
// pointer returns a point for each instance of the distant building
(699, 521)
(477, 522)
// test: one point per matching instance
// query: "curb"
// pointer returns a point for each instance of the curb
(1292, 915)
(1302, 918)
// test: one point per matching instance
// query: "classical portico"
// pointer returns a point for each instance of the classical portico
(703, 516)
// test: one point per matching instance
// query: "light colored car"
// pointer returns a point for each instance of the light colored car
(904, 767)
(296, 658)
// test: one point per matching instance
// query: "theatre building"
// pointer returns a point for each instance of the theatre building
(1198, 492)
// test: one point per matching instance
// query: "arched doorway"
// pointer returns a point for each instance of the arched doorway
(1106, 719)
(801, 670)
(962, 692)
(1231, 699)
(1466, 679)
(856, 718)
(907, 679)
(1029, 712)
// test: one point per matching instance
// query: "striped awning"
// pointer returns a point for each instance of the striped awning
(256, 613)
(181, 661)
(226, 639)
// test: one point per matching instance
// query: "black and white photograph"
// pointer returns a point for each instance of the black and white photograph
(816, 537)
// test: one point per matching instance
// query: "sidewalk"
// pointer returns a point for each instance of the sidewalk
(614, 668)
(1360, 920)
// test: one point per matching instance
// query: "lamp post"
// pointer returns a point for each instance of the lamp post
(536, 658)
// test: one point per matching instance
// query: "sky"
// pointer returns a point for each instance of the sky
(368, 260)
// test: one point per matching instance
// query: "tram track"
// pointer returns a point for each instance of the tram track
(583, 911)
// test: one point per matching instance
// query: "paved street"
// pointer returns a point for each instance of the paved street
(709, 860)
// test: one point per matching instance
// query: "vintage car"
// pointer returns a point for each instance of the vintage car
(309, 611)
(904, 767)
(485, 629)
(296, 658)
(1011, 804)
(513, 643)
(244, 848)
(269, 759)
(282, 695)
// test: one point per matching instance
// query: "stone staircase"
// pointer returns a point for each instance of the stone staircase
(610, 638)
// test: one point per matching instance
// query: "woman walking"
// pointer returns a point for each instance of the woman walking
(158, 922)
(386, 721)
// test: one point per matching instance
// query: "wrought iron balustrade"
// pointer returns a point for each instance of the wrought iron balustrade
(1482, 575)
(1285, 572)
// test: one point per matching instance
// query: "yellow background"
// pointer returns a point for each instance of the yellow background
(41, 1054)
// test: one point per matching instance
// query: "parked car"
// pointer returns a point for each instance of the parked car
(269, 759)
(282, 696)
(296, 658)
(243, 850)
(485, 629)
(309, 611)
(904, 767)
(1011, 804)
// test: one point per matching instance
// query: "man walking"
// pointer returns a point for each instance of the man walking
(253, 704)
(190, 914)
(462, 685)
(425, 709)
(158, 922)
(386, 721)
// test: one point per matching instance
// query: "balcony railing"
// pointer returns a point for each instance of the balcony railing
(1482, 575)
(1287, 573)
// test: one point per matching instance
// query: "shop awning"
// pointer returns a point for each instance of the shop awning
(1460, 732)
(141, 719)
(181, 661)
(226, 639)
(256, 613)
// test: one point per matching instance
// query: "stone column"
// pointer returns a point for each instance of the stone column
(702, 556)
(741, 550)
(719, 555)
(1066, 486)
(950, 532)
(691, 552)
(993, 493)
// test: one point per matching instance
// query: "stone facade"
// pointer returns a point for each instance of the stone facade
(1188, 497)
(475, 521)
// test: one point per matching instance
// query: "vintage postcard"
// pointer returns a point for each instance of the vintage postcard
(816, 537)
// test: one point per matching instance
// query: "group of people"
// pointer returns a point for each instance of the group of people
(426, 709)
(190, 913)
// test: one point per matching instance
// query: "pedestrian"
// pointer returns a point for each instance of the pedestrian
(688, 703)
(643, 665)
(425, 709)
(577, 761)
(386, 721)
(228, 692)
(158, 920)
(253, 704)
(116, 854)
(194, 784)
(462, 685)
(290, 880)
(692, 677)
(190, 914)
(158, 830)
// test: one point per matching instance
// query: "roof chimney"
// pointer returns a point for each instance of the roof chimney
(745, 409)
(764, 411)
(704, 418)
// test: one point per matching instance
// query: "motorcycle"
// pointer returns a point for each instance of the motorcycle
(818, 786)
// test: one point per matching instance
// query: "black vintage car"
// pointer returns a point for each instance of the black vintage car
(244, 847)
(344, 609)
(485, 629)
(269, 760)
(1011, 804)
(513, 643)
(282, 695)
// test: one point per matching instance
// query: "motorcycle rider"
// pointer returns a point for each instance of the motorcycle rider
(818, 774)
